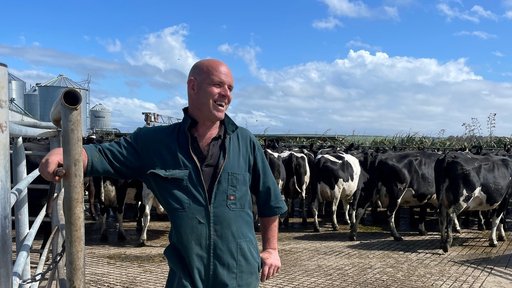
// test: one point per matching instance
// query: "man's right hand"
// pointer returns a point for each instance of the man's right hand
(48, 166)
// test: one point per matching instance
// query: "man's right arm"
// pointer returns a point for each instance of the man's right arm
(53, 160)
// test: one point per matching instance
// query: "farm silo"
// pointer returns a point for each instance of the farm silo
(17, 89)
(32, 102)
(100, 117)
(51, 90)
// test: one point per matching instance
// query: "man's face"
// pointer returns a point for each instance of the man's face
(210, 94)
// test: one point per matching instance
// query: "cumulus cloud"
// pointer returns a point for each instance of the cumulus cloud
(246, 53)
(126, 113)
(165, 50)
(370, 93)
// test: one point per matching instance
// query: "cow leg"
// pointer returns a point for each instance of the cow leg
(421, 220)
(445, 226)
(353, 225)
(121, 199)
(289, 213)
(315, 215)
(147, 203)
(335, 202)
(92, 208)
(103, 219)
(492, 237)
(456, 225)
(145, 224)
(304, 211)
(392, 208)
(481, 221)
(501, 231)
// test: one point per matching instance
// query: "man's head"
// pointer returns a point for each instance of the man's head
(209, 87)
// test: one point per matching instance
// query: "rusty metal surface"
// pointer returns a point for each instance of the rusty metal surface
(325, 259)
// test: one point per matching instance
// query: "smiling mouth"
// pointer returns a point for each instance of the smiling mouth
(220, 104)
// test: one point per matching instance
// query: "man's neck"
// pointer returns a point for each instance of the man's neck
(205, 132)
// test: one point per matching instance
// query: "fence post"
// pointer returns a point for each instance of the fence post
(19, 168)
(66, 114)
(5, 184)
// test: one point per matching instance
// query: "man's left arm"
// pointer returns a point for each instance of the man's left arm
(271, 263)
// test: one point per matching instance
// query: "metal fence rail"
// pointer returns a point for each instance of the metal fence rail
(65, 115)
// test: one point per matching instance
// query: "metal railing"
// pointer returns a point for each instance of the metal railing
(65, 115)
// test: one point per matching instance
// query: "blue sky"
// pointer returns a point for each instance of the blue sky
(385, 67)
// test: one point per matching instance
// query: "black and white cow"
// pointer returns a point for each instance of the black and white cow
(336, 177)
(148, 201)
(466, 182)
(113, 195)
(275, 162)
(399, 179)
(296, 184)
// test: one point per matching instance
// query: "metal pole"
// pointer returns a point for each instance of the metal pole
(5, 184)
(19, 168)
(59, 221)
(69, 117)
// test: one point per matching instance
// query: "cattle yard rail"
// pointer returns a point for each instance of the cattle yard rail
(16, 270)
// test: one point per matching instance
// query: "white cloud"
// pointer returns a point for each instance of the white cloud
(357, 9)
(354, 9)
(165, 50)
(480, 11)
(357, 45)
(498, 54)
(327, 24)
(111, 45)
(508, 14)
(371, 93)
(475, 14)
(126, 113)
(246, 53)
(479, 34)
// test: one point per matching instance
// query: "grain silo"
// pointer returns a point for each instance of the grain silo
(100, 117)
(31, 98)
(51, 90)
(17, 89)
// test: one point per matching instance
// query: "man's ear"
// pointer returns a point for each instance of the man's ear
(191, 84)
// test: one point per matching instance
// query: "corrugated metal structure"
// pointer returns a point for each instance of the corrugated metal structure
(17, 89)
(100, 117)
(32, 102)
(49, 91)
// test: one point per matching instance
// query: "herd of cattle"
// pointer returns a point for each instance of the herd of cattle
(447, 183)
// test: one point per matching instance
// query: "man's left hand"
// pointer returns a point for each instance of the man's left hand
(271, 263)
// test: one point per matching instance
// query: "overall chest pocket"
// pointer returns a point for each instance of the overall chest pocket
(238, 192)
(173, 188)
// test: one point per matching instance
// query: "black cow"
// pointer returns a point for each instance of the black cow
(466, 182)
(336, 177)
(399, 179)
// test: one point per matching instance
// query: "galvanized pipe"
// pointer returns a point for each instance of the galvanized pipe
(24, 253)
(5, 184)
(19, 168)
(23, 184)
(18, 130)
(66, 113)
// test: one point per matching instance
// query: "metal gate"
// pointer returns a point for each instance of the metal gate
(67, 208)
